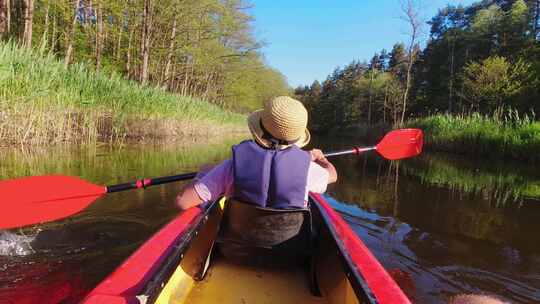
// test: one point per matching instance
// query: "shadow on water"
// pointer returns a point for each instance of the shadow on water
(60, 262)
(449, 225)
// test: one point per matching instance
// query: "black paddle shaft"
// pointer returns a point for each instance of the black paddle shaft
(143, 183)
(146, 182)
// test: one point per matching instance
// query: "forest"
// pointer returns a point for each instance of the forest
(203, 49)
(481, 60)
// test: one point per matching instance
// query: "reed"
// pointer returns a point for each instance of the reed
(41, 102)
(504, 135)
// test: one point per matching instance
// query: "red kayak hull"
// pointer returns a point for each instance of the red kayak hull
(369, 280)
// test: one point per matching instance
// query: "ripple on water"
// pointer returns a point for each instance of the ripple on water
(12, 244)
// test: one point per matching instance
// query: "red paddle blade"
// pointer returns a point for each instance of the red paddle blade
(402, 143)
(38, 199)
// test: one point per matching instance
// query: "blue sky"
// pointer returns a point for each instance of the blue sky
(307, 39)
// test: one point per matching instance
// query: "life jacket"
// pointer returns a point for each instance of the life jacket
(268, 177)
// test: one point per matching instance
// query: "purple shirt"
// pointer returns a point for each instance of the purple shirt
(220, 181)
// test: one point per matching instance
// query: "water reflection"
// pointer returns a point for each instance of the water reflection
(72, 255)
(450, 225)
(453, 226)
(498, 183)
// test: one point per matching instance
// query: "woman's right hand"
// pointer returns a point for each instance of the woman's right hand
(316, 155)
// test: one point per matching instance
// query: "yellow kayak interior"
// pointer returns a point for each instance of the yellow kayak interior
(230, 283)
(201, 279)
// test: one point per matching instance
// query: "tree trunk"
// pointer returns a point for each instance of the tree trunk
(462, 87)
(536, 17)
(407, 87)
(185, 87)
(170, 82)
(28, 21)
(88, 12)
(17, 15)
(44, 37)
(128, 53)
(166, 74)
(8, 16)
(451, 84)
(384, 104)
(395, 111)
(70, 35)
(145, 41)
(54, 39)
(411, 15)
(120, 33)
(370, 95)
(99, 35)
(5, 16)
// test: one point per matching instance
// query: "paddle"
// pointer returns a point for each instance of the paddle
(39, 199)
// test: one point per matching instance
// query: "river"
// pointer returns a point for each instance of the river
(443, 224)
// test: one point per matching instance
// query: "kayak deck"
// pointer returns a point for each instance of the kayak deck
(190, 261)
(226, 281)
(230, 283)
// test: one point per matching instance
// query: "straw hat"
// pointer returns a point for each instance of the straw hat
(282, 122)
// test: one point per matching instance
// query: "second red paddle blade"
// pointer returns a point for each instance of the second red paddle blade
(402, 143)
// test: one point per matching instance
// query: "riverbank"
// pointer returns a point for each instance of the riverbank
(482, 136)
(43, 103)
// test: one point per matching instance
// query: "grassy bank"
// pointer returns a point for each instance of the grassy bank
(482, 136)
(41, 102)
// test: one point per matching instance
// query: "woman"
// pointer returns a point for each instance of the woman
(270, 170)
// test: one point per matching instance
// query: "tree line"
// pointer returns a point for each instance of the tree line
(483, 58)
(200, 48)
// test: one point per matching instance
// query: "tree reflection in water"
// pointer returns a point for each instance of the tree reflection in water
(455, 226)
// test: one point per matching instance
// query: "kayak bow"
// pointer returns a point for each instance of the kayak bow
(171, 266)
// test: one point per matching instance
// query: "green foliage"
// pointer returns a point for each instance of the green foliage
(397, 60)
(518, 14)
(42, 99)
(506, 135)
(358, 94)
(493, 83)
(486, 20)
(200, 48)
(469, 42)
(483, 58)
(264, 84)
(33, 78)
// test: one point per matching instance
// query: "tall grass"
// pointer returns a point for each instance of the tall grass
(501, 136)
(42, 102)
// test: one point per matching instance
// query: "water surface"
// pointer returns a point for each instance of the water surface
(61, 261)
(450, 224)
(442, 224)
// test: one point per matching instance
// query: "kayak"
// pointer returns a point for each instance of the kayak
(232, 252)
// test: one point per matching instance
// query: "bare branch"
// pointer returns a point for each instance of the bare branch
(410, 13)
